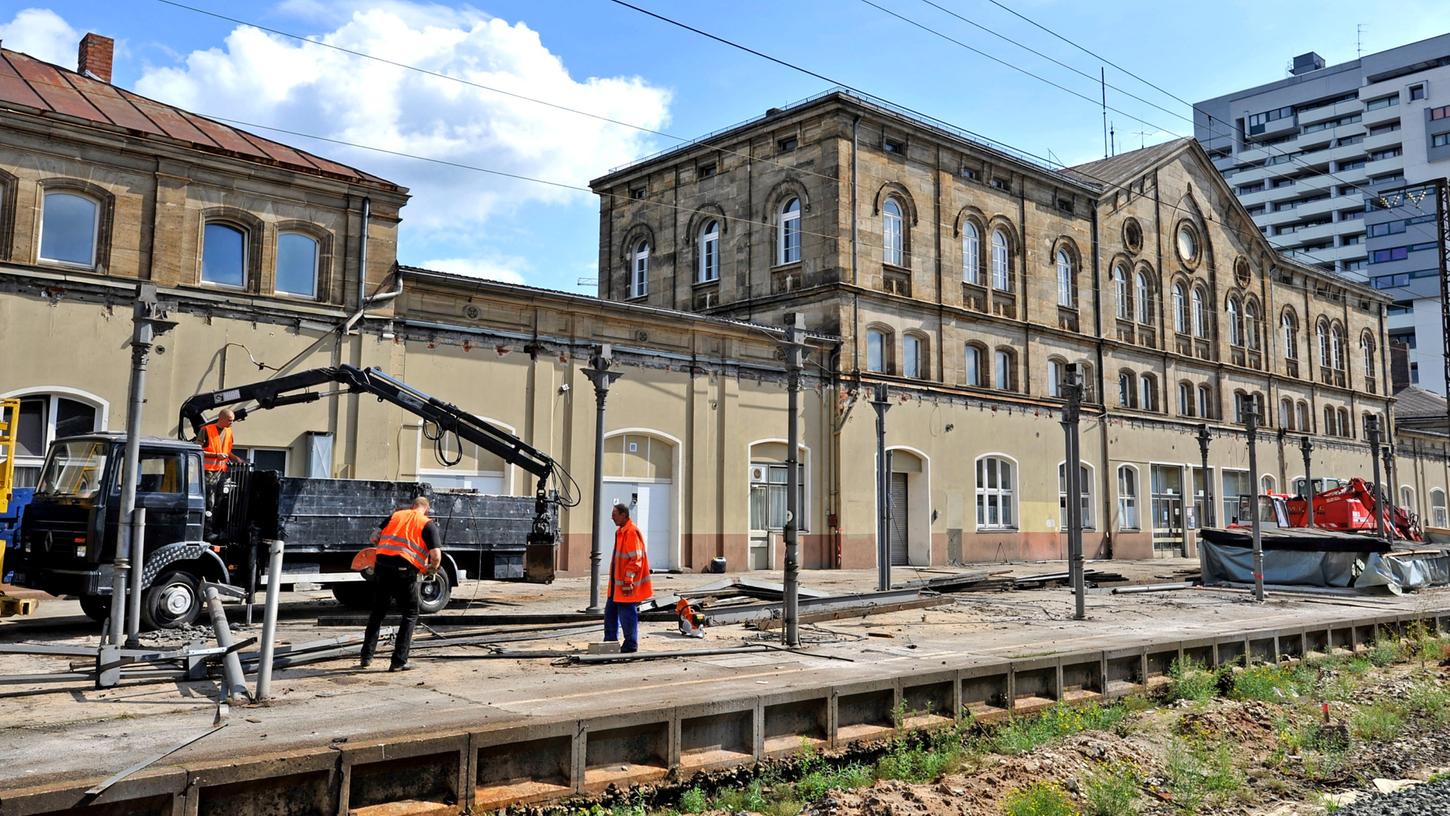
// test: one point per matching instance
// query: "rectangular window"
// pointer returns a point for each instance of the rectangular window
(1001, 184)
(1386, 255)
(1439, 113)
(706, 170)
(636, 193)
(1382, 102)
(297, 264)
(1128, 499)
(768, 498)
(1440, 140)
(787, 144)
(1235, 483)
(1417, 92)
(894, 146)
(224, 255)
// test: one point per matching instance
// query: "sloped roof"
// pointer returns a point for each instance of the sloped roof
(1414, 402)
(1124, 167)
(33, 86)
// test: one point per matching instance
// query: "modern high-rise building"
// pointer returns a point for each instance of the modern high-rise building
(1336, 163)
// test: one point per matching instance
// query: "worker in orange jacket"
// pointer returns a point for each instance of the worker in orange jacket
(216, 451)
(629, 581)
(407, 545)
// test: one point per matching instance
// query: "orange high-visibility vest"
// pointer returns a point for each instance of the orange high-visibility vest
(218, 448)
(403, 537)
(629, 580)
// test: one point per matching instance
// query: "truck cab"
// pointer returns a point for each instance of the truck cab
(1270, 508)
(66, 541)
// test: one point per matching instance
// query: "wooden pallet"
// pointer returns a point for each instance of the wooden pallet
(10, 606)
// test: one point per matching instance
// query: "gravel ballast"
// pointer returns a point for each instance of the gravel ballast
(1430, 799)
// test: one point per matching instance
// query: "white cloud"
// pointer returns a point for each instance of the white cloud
(271, 80)
(506, 269)
(42, 34)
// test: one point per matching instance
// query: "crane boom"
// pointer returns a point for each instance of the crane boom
(293, 389)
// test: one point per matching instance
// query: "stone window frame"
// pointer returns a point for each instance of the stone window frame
(1005, 494)
(775, 201)
(1129, 498)
(1122, 289)
(629, 243)
(977, 220)
(888, 348)
(1146, 295)
(1056, 379)
(1086, 491)
(1148, 393)
(1012, 385)
(1000, 225)
(1065, 246)
(896, 191)
(1200, 246)
(1187, 399)
(984, 363)
(105, 219)
(1289, 333)
(923, 354)
(1127, 388)
(324, 283)
(253, 231)
(700, 219)
(9, 194)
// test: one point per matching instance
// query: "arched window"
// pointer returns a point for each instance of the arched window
(69, 228)
(1235, 322)
(877, 352)
(1438, 514)
(1330, 423)
(44, 418)
(639, 271)
(973, 366)
(1180, 309)
(1148, 392)
(1185, 399)
(1127, 389)
(1267, 484)
(1066, 286)
(707, 251)
(913, 356)
(1205, 402)
(1056, 376)
(1144, 293)
(1251, 324)
(1344, 422)
(1261, 410)
(996, 493)
(1127, 498)
(1336, 348)
(1321, 333)
(1085, 371)
(1004, 370)
(1084, 492)
(1290, 328)
(1366, 347)
(1200, 313)
(1120, 288)
(224, 255)
(297, 264)
(971, 254)
(1286, 414)
(1241, 399)
(1302, 416)
(893, 241)
(1407, 498)
(788, 233)
(1001, 269)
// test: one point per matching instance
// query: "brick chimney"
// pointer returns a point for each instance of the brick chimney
(95, 55)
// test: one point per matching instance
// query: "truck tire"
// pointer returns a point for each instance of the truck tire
(96, 607)
(433, 593)
(172, 601)
(354, 594)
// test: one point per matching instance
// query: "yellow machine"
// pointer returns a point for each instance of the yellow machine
(9, 435)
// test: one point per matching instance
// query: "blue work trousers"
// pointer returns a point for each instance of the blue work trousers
(624, 615)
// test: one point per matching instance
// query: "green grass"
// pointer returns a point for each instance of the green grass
(1429, 702)
(1269, 684)
(1189, 680)
(693, 800)
(1377, 722)
(1040, 799)
(1200, 772)
(1019, 736)
(1112, 790)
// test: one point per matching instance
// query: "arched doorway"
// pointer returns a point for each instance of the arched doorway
(49, 413)
(909, 531)
(639, 471)
(768, 493)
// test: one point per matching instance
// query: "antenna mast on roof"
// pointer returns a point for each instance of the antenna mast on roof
(1358, 40)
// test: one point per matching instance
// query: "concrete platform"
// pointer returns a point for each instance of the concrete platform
(487, 733)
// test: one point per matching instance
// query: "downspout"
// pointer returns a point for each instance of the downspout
(1107, 474)
(362, 254)
(941, 312)
(855, 282)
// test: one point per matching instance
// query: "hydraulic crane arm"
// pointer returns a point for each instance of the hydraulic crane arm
(291, 390)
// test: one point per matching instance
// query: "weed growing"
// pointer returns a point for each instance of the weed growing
(1112, 790)
(1040, 799)
(1189, 680)
(1377, 722)
(1202, 772)
(1062, 720)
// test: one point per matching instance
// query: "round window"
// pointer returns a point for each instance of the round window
(1187, 243)
(1241, 273)
(1133, 235)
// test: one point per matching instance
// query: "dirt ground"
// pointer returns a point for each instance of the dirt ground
(1273, 764)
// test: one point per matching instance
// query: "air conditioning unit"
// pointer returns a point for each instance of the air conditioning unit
(758, 474)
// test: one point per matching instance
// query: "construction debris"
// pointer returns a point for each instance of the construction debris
(1001, 581)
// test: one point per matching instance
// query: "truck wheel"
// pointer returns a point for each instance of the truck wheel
(172, 601)
(354, 594)
(96, 607)
(433, 593)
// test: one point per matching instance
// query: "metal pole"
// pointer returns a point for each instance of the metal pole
(881, 404)
(1203, 439)
(1391, 485)
(1306, 447)
(1251, 417)
(1372, 430)
(1442, 251)
(234, 682)
(599, 374)
(133, 607)
(794, 349)
(147, 320)
(1071, 473)
(269, 619)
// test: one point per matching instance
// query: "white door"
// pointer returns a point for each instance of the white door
(649, 506)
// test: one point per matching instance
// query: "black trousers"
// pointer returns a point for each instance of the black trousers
(395, 581)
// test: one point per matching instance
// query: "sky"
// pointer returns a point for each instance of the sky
(661, 84)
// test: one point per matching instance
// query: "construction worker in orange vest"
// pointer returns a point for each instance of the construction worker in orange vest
(406, 546)
(629, 581)
(216, 450)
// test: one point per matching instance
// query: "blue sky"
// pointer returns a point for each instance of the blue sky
(599, 56)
